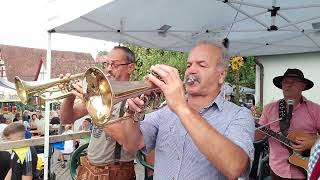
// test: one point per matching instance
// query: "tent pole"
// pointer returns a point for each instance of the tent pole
(47, 111)
(298, 22)
(239, 20)
(247, 4)
(217, 29)
(300, 7)
(246, 14)
(118, 31)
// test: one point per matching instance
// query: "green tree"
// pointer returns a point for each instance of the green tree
(150, 56)
(101, 53)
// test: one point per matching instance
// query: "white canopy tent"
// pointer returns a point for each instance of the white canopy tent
(251, 27)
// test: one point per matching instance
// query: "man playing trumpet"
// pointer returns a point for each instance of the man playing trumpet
(106, 158)
(198, 136)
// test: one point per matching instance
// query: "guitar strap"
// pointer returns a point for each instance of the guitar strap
(285, 121)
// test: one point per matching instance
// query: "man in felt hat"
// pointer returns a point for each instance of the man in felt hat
(294, 114)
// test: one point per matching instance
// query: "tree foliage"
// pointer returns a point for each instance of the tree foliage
(145, 57)
(247, 73)
(101, 53)
(151, 56)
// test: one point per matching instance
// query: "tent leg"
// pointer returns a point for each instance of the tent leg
(47, 111)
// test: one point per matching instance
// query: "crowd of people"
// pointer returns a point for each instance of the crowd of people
(197, 134)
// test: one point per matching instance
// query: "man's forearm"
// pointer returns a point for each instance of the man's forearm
(66, 111)
(26, 177)
(227, 157)
(134, 139)
(127, 133)
(71, 111)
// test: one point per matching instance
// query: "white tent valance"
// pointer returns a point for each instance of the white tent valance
(252, 27)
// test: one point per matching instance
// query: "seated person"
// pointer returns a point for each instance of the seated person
(34, 119)
(55, 127)
(68, 145)
(23, 160)
(86, 126)
(40, 125)
(17, 118)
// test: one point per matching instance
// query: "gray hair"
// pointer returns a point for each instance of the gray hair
(130, 56)
(225, 58)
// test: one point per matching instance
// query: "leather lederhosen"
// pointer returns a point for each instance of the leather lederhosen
(116, 170)
(119, 171)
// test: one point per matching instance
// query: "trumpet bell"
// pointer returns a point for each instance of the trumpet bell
(101, 94)
(22, 90)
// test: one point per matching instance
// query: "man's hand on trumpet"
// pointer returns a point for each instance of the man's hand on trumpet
(76, 86)
(135, 105)
(171, 86)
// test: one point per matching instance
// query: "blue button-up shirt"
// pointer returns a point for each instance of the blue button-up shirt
(177, 157)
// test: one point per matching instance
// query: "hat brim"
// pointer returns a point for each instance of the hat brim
(277, 81)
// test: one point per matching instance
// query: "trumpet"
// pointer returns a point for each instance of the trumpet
(27, 89)
(101, 94)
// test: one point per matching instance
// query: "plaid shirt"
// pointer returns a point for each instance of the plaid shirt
(314, 156)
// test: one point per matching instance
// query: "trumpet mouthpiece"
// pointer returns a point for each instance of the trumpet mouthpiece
(190, 80)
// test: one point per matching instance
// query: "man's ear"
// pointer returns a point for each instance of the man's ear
(223, 75)
(131, 68)
(303, 86)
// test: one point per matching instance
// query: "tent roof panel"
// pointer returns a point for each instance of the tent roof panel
(140, 22)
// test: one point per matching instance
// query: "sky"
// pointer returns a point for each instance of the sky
(24, 23)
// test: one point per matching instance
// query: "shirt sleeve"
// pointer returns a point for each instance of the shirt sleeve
(241, 132)
(149, 128)
(265, 115)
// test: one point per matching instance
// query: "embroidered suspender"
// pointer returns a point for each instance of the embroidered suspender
(285, 121)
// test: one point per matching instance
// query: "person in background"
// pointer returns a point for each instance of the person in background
(55, 126)
(25, 116)
(40, 125)
(4, 155)
(3, 124)
(33, 120)
(299, 118)
(55, 120)
(85, 126)
(17, 118)
(68, 145)
(23, 160)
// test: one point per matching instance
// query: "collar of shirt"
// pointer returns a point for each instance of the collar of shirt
(303, 101)
(218, 102)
